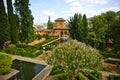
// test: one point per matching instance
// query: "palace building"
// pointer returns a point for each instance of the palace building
(59, 29)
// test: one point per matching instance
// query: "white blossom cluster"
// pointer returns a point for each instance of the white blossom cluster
(74, 56)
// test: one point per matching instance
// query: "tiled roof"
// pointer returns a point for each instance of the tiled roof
(44, 30)
(60, 19)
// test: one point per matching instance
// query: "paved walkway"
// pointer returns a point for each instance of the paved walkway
(41, 57)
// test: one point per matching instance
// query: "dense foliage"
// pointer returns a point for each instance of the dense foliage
(25, 20)
(37, 36)
(115, 33)
(75, 25)
(5, 62)
(96, 37)
(101, 31)
(23, 50)
(4, 25)
(12, 22)
(78, 27)
(74, 56)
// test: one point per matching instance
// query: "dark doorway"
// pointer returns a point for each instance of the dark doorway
(61, 34)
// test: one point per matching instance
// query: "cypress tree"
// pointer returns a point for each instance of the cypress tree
(85, 28)
(49, 24)
(11, 18)
(4, 25)
(26, 20)
(75, 25)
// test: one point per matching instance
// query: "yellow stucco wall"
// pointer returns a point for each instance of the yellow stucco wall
(59, 29)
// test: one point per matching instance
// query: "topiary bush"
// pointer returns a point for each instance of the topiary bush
(5, 62)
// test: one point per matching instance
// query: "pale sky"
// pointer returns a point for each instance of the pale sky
(41, 9)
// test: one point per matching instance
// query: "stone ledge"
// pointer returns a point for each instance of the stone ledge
(11, 73)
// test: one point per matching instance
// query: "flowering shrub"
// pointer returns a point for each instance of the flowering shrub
(5, 62)
(73, 56)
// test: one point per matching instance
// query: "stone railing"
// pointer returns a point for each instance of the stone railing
(43, 74)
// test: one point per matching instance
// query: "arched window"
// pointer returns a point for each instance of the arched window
(65, 32)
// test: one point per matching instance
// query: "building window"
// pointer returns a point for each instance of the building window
(65, 32)
(60, 23)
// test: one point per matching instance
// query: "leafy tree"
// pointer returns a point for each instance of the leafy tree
(115, 32)
(85, 28)
(97, 34)
(75, 25)
(5, 62)
(13, 26)
(26, 20)
(109, 17)
(50, 24)
(91, 38)
(4, 25)
(73, 56)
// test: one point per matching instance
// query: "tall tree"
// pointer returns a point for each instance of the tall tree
(13, 26)
(96, 37)
(26, 20)
(4, 25)
(115, 33)
(85, 28)
(110, 17)
(75, 25)
(49, 24)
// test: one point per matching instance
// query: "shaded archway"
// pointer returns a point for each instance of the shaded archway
(61, 34)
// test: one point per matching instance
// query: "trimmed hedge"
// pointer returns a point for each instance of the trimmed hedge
(5, 62)
(81, 77)
(93, 75)
(112, 61)
(48, 48)
(44, 42)
(64, 77)
(114, 77)
(60, 77)
(39, 52)
(112, 54)
(56, 70)
(22, 50)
